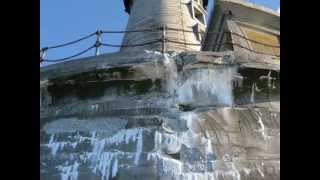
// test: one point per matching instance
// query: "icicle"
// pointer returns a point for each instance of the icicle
(252, 93)
(55, 146)
(139, 148)
(115, 168)
(69, 172)
(262, 127)
(210, 86)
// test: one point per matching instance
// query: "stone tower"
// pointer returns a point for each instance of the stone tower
(179, 14)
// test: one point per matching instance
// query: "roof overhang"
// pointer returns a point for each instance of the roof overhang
(248, 12)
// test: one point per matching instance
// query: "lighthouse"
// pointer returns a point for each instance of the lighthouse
(181, 22)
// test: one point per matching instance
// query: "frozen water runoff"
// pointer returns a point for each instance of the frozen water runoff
(200, 87)
(101, 162)
(208, 87)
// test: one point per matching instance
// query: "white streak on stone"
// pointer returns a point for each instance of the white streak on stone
(55, 146)
(252, 93)
(262, 127)
(207, 86)
(69, 172)
(139, 148)
(115, 168)
(260, 172)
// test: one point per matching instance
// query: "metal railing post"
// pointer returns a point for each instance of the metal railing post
(42, 54)
(98, 42)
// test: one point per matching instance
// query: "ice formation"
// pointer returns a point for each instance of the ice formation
(69, 172)
(55, 146)
(102, 161)
(210, 86)
(262, 129)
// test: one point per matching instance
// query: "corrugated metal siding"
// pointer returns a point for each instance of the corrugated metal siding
(264, 38)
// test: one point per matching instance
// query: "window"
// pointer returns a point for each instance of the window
(199, 33)
(199, 15)
(199, 1)
(196, 11)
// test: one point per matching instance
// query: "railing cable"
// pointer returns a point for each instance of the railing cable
(72, 42)
(163, 39)
(64, 59)
(131, 45)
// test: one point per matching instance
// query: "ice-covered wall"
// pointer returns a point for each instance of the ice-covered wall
(171, 116)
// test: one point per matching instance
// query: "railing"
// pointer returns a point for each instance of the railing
(163, 40)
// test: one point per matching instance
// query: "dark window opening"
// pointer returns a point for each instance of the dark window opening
(198, 33)
(199, 16)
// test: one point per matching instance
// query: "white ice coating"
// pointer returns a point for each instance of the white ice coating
(105, 162)
(168, 165)
(192, 139)
(139, 147)
(94, 107)
(262, 129)
(260, 172)
(211, 86)
(252, 96)
(115, 168)
(171, 73)
(207, 86)
(69, 172)
(104, 165)
(171, 166)
(124, 136)
(230, 174)
(55, 146)
(204, 86)
(171, 143)
(157, 140)
(101, 162)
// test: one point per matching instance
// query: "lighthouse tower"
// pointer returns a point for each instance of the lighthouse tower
(184, 21)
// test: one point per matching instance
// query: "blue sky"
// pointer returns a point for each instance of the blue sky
(66, 20)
